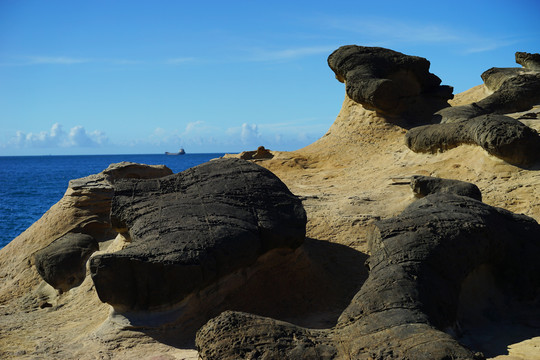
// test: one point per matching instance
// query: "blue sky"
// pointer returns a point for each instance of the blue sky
(113, 77)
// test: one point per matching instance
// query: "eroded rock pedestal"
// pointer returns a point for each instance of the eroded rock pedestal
(389, 82)
(408, 306)
(483, 123)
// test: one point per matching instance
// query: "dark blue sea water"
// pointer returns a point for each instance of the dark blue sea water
(30, 185)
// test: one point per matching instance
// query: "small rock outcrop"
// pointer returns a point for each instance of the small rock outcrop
(427, 185)
(62, 264)
(260, 154)
(408, 306)
(191, 228)
(483, 123)
(389, 82)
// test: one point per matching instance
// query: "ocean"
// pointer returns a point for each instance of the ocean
(30, 185)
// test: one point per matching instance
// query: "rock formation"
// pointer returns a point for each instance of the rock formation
(189, 229)
(62, 264)
(93, 194)
(419, 261)
(501, 136)
(260, 154)
(84, 209)
(426, 185)
(389, 82)
(482, 122)
(448, 274)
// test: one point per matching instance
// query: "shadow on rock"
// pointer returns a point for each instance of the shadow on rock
(408, 308)
(309, 287)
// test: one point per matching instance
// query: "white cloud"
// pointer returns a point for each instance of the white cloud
(57, 137)
(249, 133)
(78, 137)
(195, 127)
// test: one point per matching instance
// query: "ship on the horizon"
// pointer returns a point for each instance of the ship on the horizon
(180, 152)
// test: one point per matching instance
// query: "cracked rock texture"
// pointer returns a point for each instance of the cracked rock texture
(389, 82)
(188, 229)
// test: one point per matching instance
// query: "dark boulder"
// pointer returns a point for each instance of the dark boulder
(191, 228)
(514, 90)
(501, 136)
(408, 306)
(238, 335)
(62, 264)
(528, 61)
(389, 82)
(482, 123)
(427, 185)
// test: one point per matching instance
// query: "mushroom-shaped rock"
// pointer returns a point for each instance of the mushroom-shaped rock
(62, 264)
(191, 228)
(389, 82)
(419, 261)
(501, 136)
(482, 123)
(528, 61)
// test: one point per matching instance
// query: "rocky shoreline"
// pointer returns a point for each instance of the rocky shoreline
(237, 259)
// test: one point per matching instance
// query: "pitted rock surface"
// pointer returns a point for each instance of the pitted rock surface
(409, 301)
(62, 264)
(482, 123)
(427, 185)
(389, 82)
(191, 228)
(501, 136)
(92, 195)
(62, 261)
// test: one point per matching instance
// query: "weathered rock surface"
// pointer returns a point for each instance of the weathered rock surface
(427, 185)
(62, 264)
(191, 228)
(93, 194)
(501, 136)
(419, 261)
(389, 82)
(260, 154)
(343, 181)
(482, 122)
(236, 335)
(528, 61)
